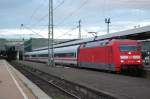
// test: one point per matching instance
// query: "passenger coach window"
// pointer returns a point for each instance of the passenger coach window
(26, 55)
(43, 55)
(70, 54)
(65, 55)
(128, 48)
(33, 55)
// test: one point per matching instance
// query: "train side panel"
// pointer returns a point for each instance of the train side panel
(66, 55)
(97, 57)
(116, 56)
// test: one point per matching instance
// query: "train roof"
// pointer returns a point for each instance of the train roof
(37, 52)
(58, 50)
(69, 49)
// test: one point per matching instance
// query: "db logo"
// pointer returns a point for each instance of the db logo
(130, 57)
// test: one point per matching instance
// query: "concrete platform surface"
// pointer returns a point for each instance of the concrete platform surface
(119, 85)
(13, 85)
(147, 71)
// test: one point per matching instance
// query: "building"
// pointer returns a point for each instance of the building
(35, 43)
(2, 44)
(146, 45)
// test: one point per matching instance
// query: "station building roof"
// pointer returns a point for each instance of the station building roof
(140, 33)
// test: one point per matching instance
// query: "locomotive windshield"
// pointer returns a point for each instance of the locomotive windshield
(128, 48)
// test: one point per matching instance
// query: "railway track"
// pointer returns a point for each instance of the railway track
(46, 85)
(59, 88)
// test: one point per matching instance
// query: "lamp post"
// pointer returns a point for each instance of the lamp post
(107, 21)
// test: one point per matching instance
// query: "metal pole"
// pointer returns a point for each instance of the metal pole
(23, 44)
(49, 56)
(23, 50)
(79, 29)
(50, 35)
(53, 64)
(107, 28)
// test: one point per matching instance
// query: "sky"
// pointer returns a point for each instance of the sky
(33, 14)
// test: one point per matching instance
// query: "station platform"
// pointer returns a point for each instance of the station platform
(122, 86)
(13, 85)
(147, 71)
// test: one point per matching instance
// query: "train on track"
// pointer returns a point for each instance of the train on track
(112, 55)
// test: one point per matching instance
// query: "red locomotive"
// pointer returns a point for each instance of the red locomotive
(112, 55)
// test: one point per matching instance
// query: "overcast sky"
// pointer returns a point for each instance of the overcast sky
(124, 14)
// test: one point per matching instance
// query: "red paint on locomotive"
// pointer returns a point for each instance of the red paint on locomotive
(111, 54)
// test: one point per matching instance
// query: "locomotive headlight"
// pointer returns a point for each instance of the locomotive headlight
(123, 57)
(122, 61)
(136, 57)
(138, 61)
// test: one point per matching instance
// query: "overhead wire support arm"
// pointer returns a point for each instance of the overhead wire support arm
(73, 12)
(45, 16)
(33, 31)
(67, 33)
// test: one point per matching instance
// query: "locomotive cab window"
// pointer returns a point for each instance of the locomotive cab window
(129, 48)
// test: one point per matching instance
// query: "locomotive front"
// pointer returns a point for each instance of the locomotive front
(130, 55)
